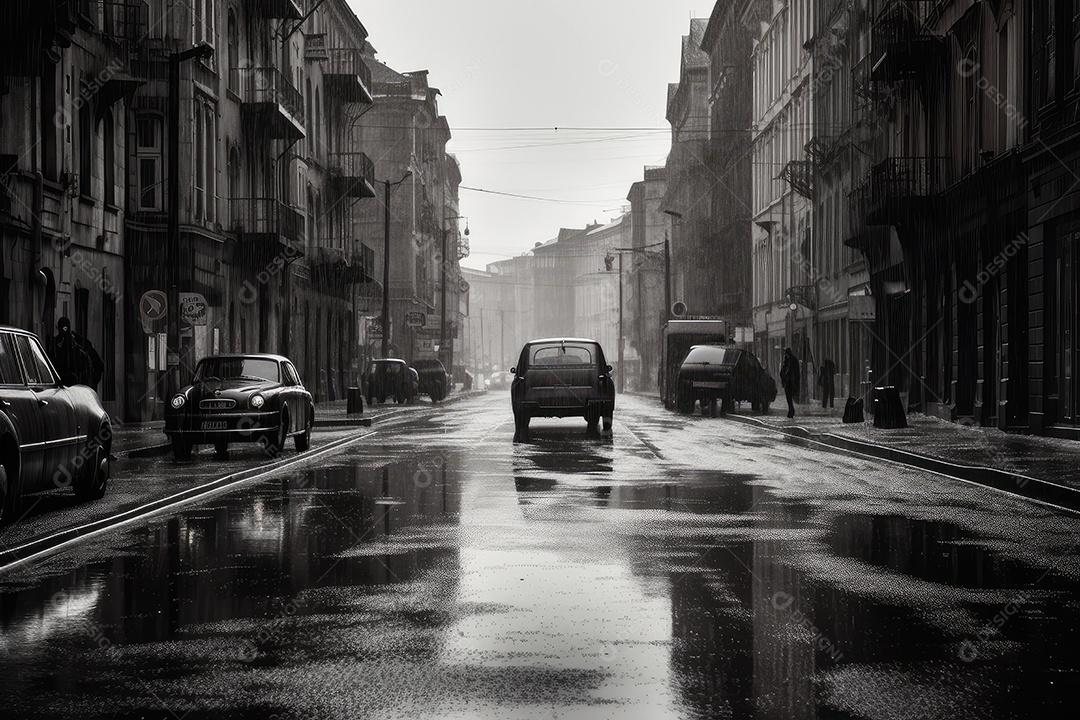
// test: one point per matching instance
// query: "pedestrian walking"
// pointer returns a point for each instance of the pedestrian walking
(827, 381)
(789, 378)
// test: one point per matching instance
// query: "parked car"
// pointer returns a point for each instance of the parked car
(562, 377)
(53, 433)
(435, 382)
(241, 398)
(499, 380)
(390, 378)
(712, 374)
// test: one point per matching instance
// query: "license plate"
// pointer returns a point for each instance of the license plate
(709, 384)
(214, 425)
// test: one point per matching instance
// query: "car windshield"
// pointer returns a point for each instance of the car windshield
(562, 354)
(387, 367)
(712, 355)
(427, 364)
(239, 368)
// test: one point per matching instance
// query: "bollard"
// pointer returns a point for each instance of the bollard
(355, 402)
(888, 408)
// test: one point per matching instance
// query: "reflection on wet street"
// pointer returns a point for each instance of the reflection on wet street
(560, 578)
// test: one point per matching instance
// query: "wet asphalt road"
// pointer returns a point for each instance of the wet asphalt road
(685, 568)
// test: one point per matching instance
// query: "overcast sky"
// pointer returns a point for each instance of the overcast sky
(508, 64)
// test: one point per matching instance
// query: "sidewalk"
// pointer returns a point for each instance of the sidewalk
(1040, 467)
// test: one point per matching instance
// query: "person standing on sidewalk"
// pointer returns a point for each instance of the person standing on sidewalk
(74, 355)
(789, 378)
(826, 379)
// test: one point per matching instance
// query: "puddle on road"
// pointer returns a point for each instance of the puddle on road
(363, 571)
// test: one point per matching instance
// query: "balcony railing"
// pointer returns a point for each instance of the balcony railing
(352, 175)
(266, 229)
(347, 76)
(900, 48)
(125, 21)
(336, 269)
(278, 9)
(270, 101)
(901, 187)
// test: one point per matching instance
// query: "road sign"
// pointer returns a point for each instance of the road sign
(415, 319)
(374, 328)
(153, 305)
(426, 345)
(192, 309)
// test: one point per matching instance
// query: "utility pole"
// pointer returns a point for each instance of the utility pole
(175, 360)
(622, 375)
(386, 262)
(667, 276)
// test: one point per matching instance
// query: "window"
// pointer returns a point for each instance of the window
(148, 131)
(1044, 50)
(234, 53)
(86, 150)
(562, 355)
(109, 147)
(205, 162)
(38, 370)
(204, 12)
(10, 374)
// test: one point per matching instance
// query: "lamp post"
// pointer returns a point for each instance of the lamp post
(442, 295)
(176, 367)
(386, 262)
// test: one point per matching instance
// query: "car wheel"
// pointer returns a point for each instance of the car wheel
(370, 400)
(181, 447)
(592, 423)
(221, 448)
(382, 398)
(521, 426)
(276, 445)
(303, 440)
(684, 404)
(92, 485)
(8, 495)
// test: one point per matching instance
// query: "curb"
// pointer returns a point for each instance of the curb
(49, 544)
(1003, 480)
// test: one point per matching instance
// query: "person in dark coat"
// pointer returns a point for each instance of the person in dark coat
(75, 356)
(827, 381)
(789, 378)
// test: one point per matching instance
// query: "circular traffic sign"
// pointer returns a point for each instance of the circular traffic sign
(153, 305)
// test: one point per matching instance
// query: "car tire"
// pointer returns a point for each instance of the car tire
(276, 445)
(592, 423)
(684, 405)
(382, 398)
(521, 426)
(221, 448)
(181, 448)
(93, 485)
(8, 494)
(370, 400)
(303, 440)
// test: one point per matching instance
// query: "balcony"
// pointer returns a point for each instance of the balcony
(899, 189)
(346, 76)
(900, 49)
(352, 175)
(335, 270)
(270, 103)
(799, 174)
(278, 9)
(267, 230)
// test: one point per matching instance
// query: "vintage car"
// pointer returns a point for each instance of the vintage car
(562, 377)
(434, 380)
(390, 378)
(499, 380)
(238, 398)
(53, 433)
(712, 374)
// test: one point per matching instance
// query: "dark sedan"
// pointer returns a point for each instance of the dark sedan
(390, 378)
(434, 380)
(241, 398)
(562, 377)
(713, 374)
(53, 433)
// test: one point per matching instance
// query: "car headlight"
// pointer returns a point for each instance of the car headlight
(178, 402)
(257, 401)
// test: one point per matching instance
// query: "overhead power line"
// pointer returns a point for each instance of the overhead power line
(591, 203)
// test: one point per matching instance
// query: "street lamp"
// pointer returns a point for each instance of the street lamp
(442, 290)
(172, 248)
(386, 263)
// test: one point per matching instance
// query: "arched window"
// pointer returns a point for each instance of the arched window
(318, 124)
